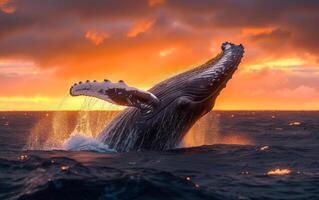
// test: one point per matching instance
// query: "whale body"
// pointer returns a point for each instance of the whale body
(159, 118)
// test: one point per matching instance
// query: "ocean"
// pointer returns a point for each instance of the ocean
(226, 155)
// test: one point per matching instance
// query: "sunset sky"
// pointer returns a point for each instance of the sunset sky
(46, 46)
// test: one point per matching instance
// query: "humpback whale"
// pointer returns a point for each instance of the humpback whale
(159, 118)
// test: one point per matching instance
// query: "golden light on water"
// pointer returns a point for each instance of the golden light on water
(65, 168)
(296, 123)
(23, 157)
(264, 148)
(278, 172)
(235, 139)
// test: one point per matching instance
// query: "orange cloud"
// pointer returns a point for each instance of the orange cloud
(95, 37)
(140, 27)
(257, 31)
(5, 7)
(279, 69)
(152, 3)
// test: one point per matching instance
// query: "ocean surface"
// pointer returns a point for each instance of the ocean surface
(227, 155)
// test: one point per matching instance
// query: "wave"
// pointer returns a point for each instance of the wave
(78, 142)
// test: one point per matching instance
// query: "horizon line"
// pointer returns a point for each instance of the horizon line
(223, 110)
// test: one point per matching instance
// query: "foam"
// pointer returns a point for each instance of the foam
(78, 142)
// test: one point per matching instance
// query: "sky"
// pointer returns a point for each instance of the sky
(46, 46)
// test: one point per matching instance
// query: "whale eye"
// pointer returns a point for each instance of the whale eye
(183, 102)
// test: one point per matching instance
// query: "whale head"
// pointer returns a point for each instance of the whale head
(200, 86)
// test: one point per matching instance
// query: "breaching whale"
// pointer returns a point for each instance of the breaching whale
(159, 118)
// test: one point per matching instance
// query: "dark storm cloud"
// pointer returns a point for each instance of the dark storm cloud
(42, 30)
(234, 13)
(305, 31)
(87, 9)
(49, 14)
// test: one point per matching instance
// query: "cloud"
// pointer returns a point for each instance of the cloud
(290, 27)
(131, 38)
(152, 3)
(95, 37)
(140, 27)
(6, 7)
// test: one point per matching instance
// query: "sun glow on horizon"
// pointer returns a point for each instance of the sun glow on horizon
(146, 42)
(42, 103)
(284, 63)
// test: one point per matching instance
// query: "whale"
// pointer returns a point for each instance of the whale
(159, 118)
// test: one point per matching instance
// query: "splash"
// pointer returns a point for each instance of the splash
(77, 130)
(79, 142)
(206, 132)
(74, 130)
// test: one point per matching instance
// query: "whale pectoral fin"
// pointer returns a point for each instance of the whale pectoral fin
(117, 93)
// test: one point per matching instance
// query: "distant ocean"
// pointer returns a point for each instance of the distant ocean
(227, 155)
